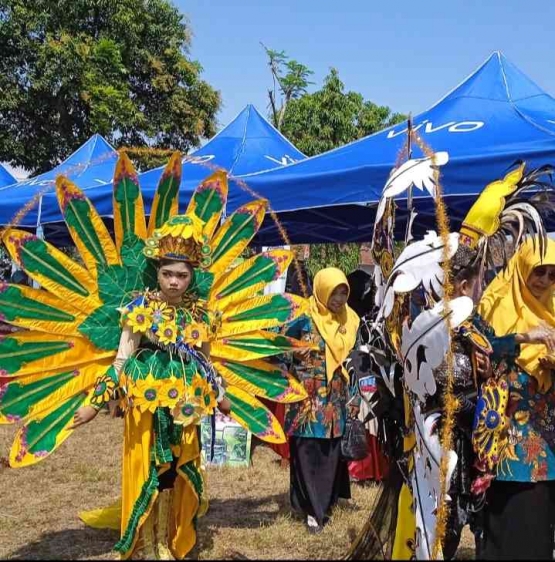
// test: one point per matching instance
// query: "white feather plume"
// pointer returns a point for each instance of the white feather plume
(425, 343)
(420, 264)
(426, 478)
(418, 172)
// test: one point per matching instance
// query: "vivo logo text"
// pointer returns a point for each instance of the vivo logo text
(429, 127)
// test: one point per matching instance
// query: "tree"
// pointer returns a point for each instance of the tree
(72, 68)
(346, 257)
(318, 122)
(290, 80)
(331, 117)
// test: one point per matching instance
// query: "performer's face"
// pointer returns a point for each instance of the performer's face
(338, 298)
(174, 279)
(541, 280)
(468, 288)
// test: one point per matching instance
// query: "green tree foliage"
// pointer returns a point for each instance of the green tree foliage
(332, 117)
(346, 257)
(72, 68)
(290, 82)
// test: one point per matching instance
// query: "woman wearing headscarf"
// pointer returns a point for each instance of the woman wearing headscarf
(319, 476)
(521, 501)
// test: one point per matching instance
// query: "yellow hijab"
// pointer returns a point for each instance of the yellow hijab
(510, 308)
(339, 331)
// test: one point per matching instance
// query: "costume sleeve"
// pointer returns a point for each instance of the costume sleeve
(106, 386)
(505, 348)
(299, 327)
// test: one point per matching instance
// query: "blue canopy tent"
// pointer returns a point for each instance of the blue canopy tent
(90, 165)
(492, 119)
(5, 177)
(248, 144)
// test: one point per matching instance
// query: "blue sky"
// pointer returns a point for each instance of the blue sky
(403, 54)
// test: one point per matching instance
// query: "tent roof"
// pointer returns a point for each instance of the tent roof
(92, 164)
(249, 144)
(493, 118)
(5, 177)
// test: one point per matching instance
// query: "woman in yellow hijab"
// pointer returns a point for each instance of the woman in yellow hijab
(521, 501)
(319, 476)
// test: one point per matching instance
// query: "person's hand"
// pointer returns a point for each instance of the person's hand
(542, 334)
(547, 362)
(225, 406)
(302, 355)
(353, 410)
(483, 365)
(114, 409)
(83, 415)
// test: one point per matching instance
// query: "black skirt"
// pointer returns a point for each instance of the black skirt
(319, 476)
(519, 521)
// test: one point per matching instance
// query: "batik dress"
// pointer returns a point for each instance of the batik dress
(319, 476)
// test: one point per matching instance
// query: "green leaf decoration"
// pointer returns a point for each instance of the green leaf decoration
(254, 418)
(14, 304)
(13, 354)
(126, 193)
(263, 347)
(241, 230)
(35, 258)
(166, 194)
(208, 200)
(159, 364)
(102, 328)
(278, 308)
(262, 270)
(202, 284)
(77, 216)
(271, 384)
(18, 397)
(40, 436)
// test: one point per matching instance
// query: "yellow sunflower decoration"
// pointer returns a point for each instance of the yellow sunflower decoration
(167, 333)
(195, 333)
(139, 319)
(161, 312)
(170, 392)
(186, 413)
(146, 393)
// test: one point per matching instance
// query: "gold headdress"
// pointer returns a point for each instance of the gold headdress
(181, 238)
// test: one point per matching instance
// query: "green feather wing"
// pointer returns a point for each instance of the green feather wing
(263, 379)
(129, 213)
(235, 234)
(208, 201)
(166, 198)
(254, 416)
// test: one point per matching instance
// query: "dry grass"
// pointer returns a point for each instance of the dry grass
(249, 513)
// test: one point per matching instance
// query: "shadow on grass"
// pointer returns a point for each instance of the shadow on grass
(68, 545)
(247, 513)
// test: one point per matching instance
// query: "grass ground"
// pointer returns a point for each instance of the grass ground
(249, 512)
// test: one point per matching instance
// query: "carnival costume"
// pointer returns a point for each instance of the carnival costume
(67, 356)
(425, 358)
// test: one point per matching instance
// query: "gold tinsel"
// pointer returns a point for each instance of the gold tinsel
(449, 400)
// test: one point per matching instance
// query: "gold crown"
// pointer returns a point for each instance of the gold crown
(181, 238)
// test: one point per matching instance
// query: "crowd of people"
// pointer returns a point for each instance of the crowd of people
(358, 350)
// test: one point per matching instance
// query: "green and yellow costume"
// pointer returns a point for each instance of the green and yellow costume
(66, 355)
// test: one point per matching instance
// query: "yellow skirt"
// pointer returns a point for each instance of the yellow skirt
(139, 488)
